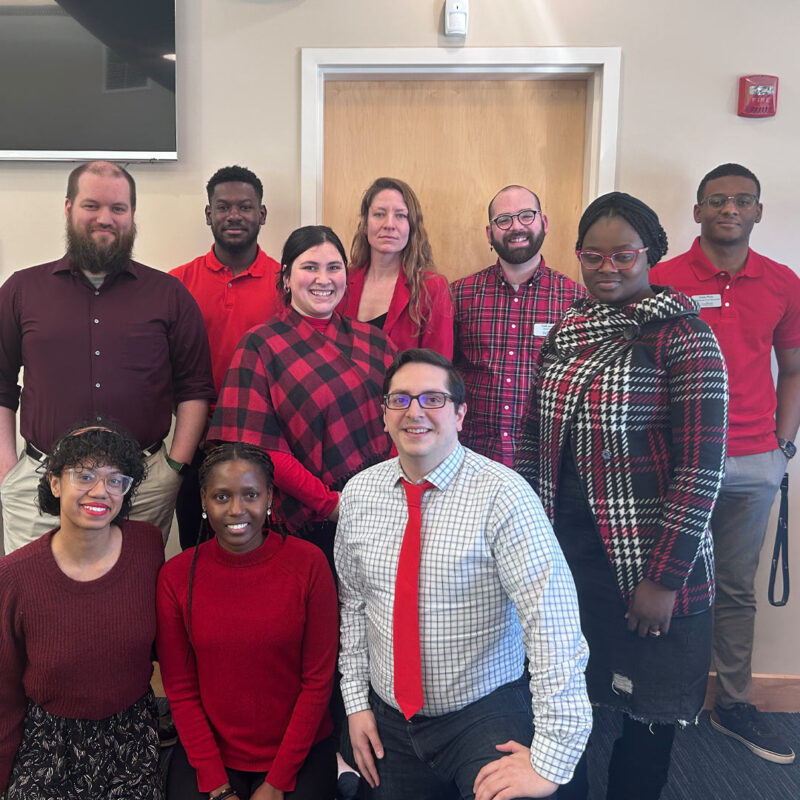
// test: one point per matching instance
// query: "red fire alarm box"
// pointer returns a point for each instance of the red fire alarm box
(758, 96)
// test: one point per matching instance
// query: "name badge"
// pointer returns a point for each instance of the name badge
(542, 328)
(708, 300)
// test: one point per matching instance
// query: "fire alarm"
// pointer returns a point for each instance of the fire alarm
(456, 17)
(758, 96)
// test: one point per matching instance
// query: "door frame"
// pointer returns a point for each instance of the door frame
(601, 65)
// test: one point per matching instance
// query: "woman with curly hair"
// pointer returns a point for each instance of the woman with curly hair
(247, 642)
(78, 615)
(392, 282)
(625, 444)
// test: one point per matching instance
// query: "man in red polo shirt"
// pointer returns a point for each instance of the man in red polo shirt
(235, 285)
(753, 305)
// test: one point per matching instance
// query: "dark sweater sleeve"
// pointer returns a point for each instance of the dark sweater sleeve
(320, 645)
(12, 663)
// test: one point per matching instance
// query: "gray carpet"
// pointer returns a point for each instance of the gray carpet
(707, 765)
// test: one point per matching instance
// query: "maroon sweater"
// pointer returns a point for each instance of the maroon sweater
(251, 692)
(81, 650)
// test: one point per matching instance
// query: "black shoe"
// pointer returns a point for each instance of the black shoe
(744, 722)
(347, 787)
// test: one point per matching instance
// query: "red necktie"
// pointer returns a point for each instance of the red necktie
(405, 627)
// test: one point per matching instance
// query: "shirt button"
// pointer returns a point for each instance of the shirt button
(96, 293)
(97, 352)
(516, 299)
(513, 326)
(728, 286)
(97, 386)
(606, 455)
(511, 352)
(99, 419)
(727, 305)
(96, 321)
(229, 285)
(506, 408)
(508, 380)
(505, 433)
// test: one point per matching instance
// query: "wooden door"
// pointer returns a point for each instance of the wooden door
(457, 142)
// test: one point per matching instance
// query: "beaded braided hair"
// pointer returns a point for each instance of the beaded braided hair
(637, 214)
(221, 454)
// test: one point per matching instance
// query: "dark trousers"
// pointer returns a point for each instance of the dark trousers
(438, 758)
(315, 781)
(639, 764)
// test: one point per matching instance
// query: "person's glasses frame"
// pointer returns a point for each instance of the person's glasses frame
(742, 200)
(116, 483)
(401, 401)
(526, 217)
(620, 260)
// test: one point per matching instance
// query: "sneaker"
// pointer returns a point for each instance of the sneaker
(744, 722)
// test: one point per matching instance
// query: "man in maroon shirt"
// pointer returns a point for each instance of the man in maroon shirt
(502, 315)
(752, 304)
(100, 337)
(235, 285)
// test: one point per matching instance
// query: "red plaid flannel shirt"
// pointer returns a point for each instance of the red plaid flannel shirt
(499, 332)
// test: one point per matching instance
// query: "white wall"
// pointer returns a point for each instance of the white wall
(238, 84)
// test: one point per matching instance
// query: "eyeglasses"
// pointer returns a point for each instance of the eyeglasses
(115, 482)
(743, 200)
(526, 217)
(620, 260)
(399, 401)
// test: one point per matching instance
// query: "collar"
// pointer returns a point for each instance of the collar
(64, 264)
(257, 269)
(440, 476)
(534, 279)
(705, 270)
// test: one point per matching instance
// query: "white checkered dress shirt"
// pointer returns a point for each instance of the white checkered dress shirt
(493, 586)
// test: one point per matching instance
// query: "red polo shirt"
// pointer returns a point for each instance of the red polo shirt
(230, 305)
(750, 313)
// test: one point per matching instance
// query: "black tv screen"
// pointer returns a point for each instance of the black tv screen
(83, 79)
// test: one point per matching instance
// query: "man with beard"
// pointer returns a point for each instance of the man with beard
(235, 285)
(101, 337)
(502, 315)
(752, 304)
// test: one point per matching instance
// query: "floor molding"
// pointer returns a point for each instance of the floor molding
(770, 692)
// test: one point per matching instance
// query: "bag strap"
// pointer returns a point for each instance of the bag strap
(781, 550)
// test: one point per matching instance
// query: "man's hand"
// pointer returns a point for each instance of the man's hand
(650, 609)
(511, 776)
(267, 792)
(334, 515)
(365, 740)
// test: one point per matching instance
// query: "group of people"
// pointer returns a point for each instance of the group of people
(492, 474)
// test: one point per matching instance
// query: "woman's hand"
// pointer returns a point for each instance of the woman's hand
(267, 792)
(334, 515)
(650, 609)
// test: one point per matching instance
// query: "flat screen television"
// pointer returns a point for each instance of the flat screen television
(83, 79)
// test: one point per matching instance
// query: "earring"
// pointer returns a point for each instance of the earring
(491, 248)
(269, 511)
(204, 515)
(287, 289)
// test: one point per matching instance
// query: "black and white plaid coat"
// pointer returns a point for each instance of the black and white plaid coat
(641, 393)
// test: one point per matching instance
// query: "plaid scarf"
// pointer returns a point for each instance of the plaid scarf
(640, 392)
(315, 396)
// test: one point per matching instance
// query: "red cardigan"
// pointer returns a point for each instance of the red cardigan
(437, 325)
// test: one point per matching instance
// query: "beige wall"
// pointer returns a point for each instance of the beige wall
(238, 83)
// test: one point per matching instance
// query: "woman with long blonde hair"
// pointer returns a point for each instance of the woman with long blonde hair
(392, 282)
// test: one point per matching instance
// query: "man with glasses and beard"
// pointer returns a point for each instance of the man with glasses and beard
(752, 304)
(100, 337)
(502, 315)
(235, 285)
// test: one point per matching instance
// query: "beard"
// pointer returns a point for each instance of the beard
(86, 255)
(518, 255)
(234, 248)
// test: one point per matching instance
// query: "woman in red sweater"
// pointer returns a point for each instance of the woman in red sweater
(78, 615)
(392, 282)
(247, 641)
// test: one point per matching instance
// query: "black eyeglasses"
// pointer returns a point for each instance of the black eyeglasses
(399, 401)
(742, 200)
(525, 217)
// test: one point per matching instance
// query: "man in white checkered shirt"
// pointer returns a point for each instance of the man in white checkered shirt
(493, 588)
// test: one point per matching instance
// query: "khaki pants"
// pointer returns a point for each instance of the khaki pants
(23, 522)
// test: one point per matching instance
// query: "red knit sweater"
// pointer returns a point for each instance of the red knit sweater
(251, 692)
(81, 650)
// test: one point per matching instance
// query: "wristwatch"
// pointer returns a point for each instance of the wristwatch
(788, 447)
(178, 466)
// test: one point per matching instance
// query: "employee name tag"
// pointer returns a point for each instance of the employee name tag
(708, 300)
(542, 328)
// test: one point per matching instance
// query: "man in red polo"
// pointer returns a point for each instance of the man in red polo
(235, 285)
(753, 305)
